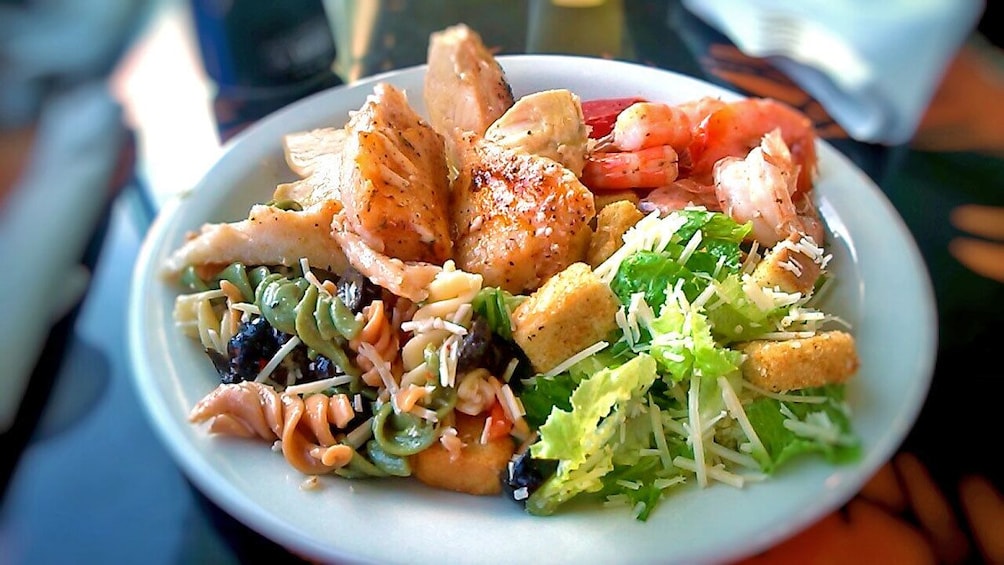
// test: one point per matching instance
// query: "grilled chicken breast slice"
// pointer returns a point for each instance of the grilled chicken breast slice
(320, 186)
(517, 218)
(269, 236)
(409, 279)
(307, 151)
(394, 180)
(465, 88)
(549, 123)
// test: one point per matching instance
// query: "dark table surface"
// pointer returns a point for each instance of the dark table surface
(93, 484)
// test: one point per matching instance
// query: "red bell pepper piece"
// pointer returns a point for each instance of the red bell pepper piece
(601, 114)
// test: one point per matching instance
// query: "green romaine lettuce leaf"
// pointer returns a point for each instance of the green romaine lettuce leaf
(581, 439)
(767, 417)
(683, 346)
(496, 306)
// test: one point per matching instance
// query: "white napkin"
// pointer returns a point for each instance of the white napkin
(874, 66)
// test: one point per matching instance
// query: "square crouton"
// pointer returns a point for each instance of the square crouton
(571, 311)
(603, 198)
(475, 469)
(778, 366)
(612, 221)
(793, 265)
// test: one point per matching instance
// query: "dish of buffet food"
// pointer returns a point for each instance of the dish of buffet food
(542, 297)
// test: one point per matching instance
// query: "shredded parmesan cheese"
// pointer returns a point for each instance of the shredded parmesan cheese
(739, 414)
(429, 324)
(660, 434)
(382, 366)
(567, 363)
(318, 386)
(691, 247)
(277, 358)
(696, 437)
(651, 233)
(716, 472)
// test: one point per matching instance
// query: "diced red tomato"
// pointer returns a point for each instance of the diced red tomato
(498, 425)
(601, 114)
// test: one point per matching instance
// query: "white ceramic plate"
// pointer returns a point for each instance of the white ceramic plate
(883, 290)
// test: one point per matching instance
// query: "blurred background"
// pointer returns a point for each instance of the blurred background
(109, 108)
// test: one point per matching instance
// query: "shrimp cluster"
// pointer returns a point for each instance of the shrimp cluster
(753, 158)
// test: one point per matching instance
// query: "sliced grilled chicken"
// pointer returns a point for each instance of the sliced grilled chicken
(465, 87)
(408, 279)
(517, 218)
(306, 151)
(319, 186)
(269, 236)
(394, 180)
(548, 123)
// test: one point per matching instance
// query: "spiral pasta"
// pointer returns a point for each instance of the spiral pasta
(377, 346)
(320, 319)
(302, 424)
(437, 326)
(212, 312)
(475, 392)
(302, 306)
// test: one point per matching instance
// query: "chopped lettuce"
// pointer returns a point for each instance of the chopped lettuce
(716, 253)
(683, 346)
(713, 225)
(734, 317)
(811, 427)
(636, 485)
(619, 424)
(715, 260)
(583, 439)
(545, 393)
(496, 306)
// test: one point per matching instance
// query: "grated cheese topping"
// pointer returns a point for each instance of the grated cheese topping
(817, 425)
(277, 358)
(737, 412)
(696, 437)
(568, 363)
(660, 435)
(651, 233)
(318, 386)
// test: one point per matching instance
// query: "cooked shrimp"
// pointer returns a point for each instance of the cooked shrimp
(679, 195)
(735, 128)
(809, 215)
(701, 108)
(644, 168)
(759, 189)
(649, 124)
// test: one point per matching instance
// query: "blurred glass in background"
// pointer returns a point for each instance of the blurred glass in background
(262, 56)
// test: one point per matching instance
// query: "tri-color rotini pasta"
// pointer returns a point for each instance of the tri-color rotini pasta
(377, 346)
(351, 390)
(438, 325)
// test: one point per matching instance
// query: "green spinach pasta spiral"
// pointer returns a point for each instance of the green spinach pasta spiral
(294, 305)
